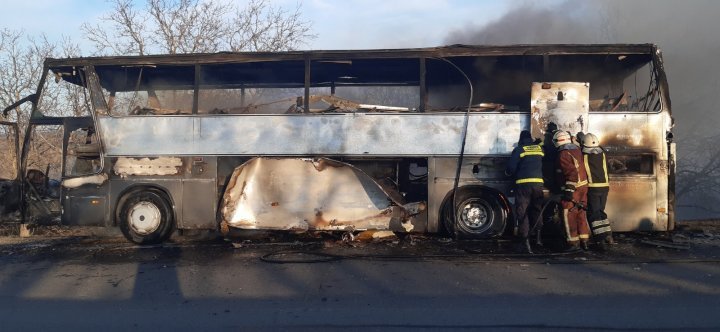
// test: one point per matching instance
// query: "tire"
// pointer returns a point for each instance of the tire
(478, 214)
(146, 217)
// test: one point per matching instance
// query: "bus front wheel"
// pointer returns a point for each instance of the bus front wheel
(145, 217)
(477, 214)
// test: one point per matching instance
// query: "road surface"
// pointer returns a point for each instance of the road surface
(68, 283)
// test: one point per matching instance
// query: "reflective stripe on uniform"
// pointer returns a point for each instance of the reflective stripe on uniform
(532, 150)
(577, 167)
(531, 154)
(598, 223)
(589, 174)
(577, 184)
(601, 230)
(598, 185)
(584, 236)
(567, 226)
(529, 180)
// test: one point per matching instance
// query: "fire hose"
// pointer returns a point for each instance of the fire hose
(556, 198)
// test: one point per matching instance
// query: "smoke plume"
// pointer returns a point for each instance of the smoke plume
(685, 31)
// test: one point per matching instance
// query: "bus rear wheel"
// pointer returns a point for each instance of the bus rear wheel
(145, 217)
(477, 214)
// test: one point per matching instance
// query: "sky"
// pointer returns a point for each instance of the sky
(338, 24)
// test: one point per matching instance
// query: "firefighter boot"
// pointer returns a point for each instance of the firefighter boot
(524, 247)
(528, 249)
(538, 239)
(572, 247)
(609, 239)
(584, 244)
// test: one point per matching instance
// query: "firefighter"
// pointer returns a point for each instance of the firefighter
(573, 180)
(596, 166)
(525, 166)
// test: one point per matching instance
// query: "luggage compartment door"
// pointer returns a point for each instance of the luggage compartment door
(565, 104)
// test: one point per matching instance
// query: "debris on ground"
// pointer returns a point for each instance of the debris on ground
(374, 234)
(665, 244)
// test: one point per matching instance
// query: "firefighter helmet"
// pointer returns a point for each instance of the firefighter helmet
(561, 137)
(590, 141)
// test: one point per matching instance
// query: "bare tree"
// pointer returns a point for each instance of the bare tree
(124, 31)
(698, 176)
(262, 27)
(21, 62)
(192, 26)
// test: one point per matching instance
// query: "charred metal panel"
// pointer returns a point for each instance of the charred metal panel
(564, 103)
(302, 135)
(199, 204)
(303, 194)
(630, 131)
(630, 205)
(640, 203)
(84, 210)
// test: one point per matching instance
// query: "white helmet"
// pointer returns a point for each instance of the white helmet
(561, 138)
(590, 141)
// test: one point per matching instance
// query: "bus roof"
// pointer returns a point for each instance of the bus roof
(342, 67)
(457, 50)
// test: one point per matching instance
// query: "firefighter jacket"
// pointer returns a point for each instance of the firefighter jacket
(525, 163)
(596, 166)
(571, 167)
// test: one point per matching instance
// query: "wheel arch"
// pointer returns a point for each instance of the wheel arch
(499, 196)
(137, 187)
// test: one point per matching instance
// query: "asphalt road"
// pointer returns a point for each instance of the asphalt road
(73, 283)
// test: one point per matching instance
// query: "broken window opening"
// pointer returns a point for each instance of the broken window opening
(63, 97)
(615, 95)
(8, 157)
(83, 153)
(44, 160)
(630, 164)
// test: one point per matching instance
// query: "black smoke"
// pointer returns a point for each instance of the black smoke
(686, 32)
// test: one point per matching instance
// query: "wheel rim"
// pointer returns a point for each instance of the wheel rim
(474, 215)
(144, 218)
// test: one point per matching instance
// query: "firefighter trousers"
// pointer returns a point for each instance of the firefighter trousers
(528, 203)
(599, 223)
(574, 218)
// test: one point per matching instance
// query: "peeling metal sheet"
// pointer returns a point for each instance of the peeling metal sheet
(303, 194)
(96, 179)
(147, 166)
(563, 103)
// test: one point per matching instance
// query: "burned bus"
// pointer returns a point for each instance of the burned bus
(408, 140)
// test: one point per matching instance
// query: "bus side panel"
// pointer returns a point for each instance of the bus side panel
(638, 198)
(630, 205)
(85, 205)
(199, 204)
(200, 195)
(485, 171)
(360, 134)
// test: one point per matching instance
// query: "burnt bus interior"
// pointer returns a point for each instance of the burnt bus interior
(622, 78)
(359, 82)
